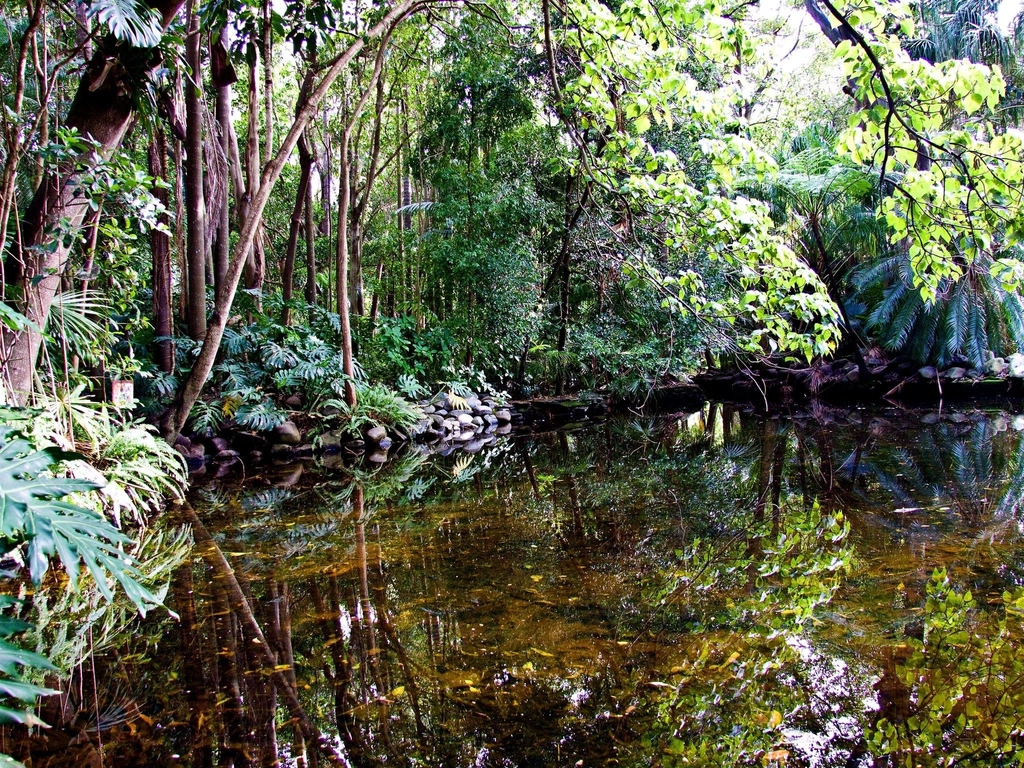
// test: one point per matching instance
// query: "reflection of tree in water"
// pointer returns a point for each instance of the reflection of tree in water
(642, 592)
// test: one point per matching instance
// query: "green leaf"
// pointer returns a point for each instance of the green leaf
(133, 21)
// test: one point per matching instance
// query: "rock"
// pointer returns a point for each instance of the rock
(256, 455)
(354, 447)
(473, 402)
(1016, 365)
(482, 410)
(958, 418)
(995, 366)
(1000, 424)
(304, 451)
(182, 441)
(374, 435)
(504, 429)
(429, 435)
(194, 464)
(503, 416)
(954, 374)
(974, 374)
(442, 412)
(463, 437)
(288, 475)
(281, 451)
(1018, 423)
(247, 442)
(384, 444)
(293, 401)
(223, 469)
(930, 418)
(428, 409)
(465, 418)
(227, 456)
(478, 421)
(928, 373)
(377, 457)
(332, 461)
(436, 419)
(473, 446)
(456, 412)
(331, 441)
(287, 433)
(216, 444)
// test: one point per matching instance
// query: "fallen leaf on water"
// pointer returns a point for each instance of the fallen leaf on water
(398, 691)
(775, 720)
(536, 578)
(542, 653)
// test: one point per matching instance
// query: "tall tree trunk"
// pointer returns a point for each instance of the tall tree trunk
(102, 110)
(195, 203)
(310, 237)
(267, 33)
(160, 245)
(301, 195)
(256, 264)
(223, 76)
(189, 393)
(341, 271)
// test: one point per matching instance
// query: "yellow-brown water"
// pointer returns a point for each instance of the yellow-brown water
(705, 589)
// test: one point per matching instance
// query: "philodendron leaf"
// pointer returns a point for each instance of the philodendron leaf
(32, 512)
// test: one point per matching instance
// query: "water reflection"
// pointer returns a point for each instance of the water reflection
(715, 588)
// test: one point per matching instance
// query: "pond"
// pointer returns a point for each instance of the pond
(817, 588)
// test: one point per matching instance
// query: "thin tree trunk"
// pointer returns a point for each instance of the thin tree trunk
(341, 273)
(160, 244)
(268, 80)
(255, 265)
(301, 194)
(310, 239)
(189, 393)
(195, 204)
(223, 76)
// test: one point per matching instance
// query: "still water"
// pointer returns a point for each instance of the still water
(818, 588)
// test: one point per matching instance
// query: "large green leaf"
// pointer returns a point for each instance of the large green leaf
(133, 21)
(32, 512)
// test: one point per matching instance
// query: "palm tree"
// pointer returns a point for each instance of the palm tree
(970, 29)
(969, 318)
(827, 202)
